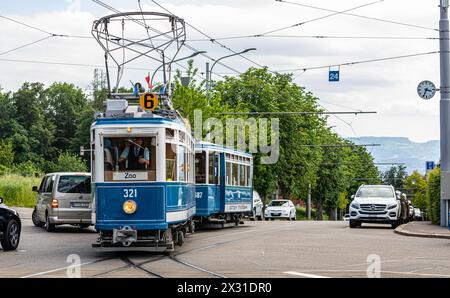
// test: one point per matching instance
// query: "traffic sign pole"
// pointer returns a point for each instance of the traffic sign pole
(445, 110)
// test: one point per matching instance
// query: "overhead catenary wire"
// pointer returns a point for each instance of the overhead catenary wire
(300, 113)
(361, 16)
(211, 39)
(335, 13)
(26, 45)
(258, 36)
(360, 62)
(78, 64)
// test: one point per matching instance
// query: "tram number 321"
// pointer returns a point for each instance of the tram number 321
(130, 193)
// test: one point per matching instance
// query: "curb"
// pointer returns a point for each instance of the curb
(401, 231)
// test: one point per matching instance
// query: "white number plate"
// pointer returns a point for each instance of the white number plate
(130, 176)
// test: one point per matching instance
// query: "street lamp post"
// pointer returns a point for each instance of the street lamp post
(209, 70)
(178, 60)
(445, 110)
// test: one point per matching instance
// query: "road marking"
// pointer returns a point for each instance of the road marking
(305, 274)
(56, 270)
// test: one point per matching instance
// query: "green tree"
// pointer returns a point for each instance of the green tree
(395, 176)
(434, 195)
(32, 135)
(258, 90)
(416, 185)
(65, 106)
(6, 154)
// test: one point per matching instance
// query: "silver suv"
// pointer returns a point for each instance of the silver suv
(63, 198)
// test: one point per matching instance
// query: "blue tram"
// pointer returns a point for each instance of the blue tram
(143, 179)
(223, 188)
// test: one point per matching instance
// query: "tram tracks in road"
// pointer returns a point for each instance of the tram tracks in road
(173, 256)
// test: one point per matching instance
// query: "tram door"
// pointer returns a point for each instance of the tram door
(222, 182)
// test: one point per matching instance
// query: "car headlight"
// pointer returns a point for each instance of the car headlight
(355, 205)
(129, 207)
(393, 206)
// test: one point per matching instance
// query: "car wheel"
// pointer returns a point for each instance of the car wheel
(294, 217)
(48, 226)
(84, 226)
(395, 224)
(259, 217)
(11, 237)
(353, 224)
(35, 219)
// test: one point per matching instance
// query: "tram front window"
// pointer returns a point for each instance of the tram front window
(130, 159)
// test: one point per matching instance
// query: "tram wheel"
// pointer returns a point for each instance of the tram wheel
(191, 227)
(180, 238)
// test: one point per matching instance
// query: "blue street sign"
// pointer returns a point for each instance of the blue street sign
(430, 165)
(334, 76)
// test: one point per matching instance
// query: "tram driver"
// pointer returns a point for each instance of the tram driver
(138, 157)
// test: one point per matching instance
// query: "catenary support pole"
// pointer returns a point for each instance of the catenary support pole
(445, 110)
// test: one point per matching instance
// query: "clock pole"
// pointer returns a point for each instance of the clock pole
(445, 110)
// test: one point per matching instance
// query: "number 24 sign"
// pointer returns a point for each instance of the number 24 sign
(334, 76)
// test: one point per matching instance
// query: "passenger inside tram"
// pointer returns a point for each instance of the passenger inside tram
(130, 155)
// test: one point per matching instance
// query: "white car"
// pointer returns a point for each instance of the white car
(417, 214)
(280, 209)
(258, 205)
(346, 217)
(375, 204)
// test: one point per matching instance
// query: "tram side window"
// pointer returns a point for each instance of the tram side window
(200, 167)
(228, 177)
(129, 158)
(213, 168)
(235, 174)
(171, 165)
(242, 174)
(181, 164)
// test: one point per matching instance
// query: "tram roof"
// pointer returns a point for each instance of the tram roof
(215, 147)
(155, 120)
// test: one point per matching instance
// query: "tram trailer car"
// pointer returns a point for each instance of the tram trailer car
(223, 189)
(143, 179)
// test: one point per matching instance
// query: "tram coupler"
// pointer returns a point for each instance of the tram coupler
(125, 235)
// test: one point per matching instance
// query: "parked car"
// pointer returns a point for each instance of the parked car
(63, 198)
(375, 204)
(257, 207)
(346, 217)
(280, 209)
(10, 227)
(411, 212)
(418, 214)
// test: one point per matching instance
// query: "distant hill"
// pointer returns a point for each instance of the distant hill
(402, 150)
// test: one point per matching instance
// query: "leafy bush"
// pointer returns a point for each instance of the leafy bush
(68, 162)
(27, 169)
(6, 154)
(16, 190)
(434, 195)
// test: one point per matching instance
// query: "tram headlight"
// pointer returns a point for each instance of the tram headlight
(129, 207)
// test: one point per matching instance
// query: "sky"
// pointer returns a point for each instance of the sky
(387, 87)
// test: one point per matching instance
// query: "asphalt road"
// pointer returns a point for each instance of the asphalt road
(257, 249)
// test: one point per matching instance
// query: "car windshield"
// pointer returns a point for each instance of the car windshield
(74, 184)
(372, 192)
(279, 203)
